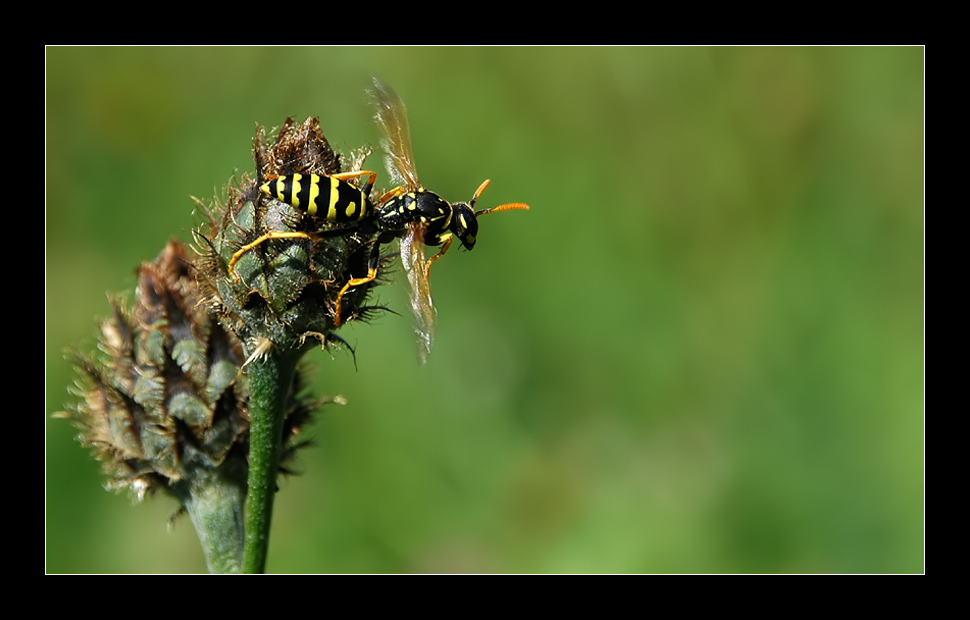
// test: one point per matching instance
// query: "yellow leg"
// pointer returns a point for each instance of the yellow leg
(444, 248)
(266, 237)
(372, 263)
(394, 193)
(371, 274)
(344, 176)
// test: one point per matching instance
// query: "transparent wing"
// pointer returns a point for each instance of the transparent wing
(422, 306)
(392, 116)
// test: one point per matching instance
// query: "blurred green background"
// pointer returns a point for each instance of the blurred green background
(701, 351)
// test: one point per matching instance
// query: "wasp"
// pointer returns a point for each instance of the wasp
(408, 212)
(418, 216)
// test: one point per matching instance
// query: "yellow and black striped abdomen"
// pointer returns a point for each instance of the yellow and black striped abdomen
(326, 197)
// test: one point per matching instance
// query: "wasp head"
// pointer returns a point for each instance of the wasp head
(464, 220)
(464, 224)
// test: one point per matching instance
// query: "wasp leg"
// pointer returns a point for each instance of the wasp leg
(272, 235)
(344, 176)
(444, 248)
(372, 262)
(394, 193)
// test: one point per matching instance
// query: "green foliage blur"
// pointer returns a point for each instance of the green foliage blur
(702, 350)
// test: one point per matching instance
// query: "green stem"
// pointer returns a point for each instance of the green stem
(270, 379)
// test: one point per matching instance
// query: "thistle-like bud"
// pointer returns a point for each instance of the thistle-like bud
(281, 293)
(165, 407)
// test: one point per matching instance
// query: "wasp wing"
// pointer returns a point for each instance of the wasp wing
(422, 306)
(392, 116)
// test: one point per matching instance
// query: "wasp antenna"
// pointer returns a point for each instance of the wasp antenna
(505, 207)
(478, 192)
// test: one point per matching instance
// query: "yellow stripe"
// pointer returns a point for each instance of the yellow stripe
(334, 197)
(296, 190)
(314, 193)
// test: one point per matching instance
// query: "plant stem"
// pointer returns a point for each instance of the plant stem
(270, 379)
(214, 503)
